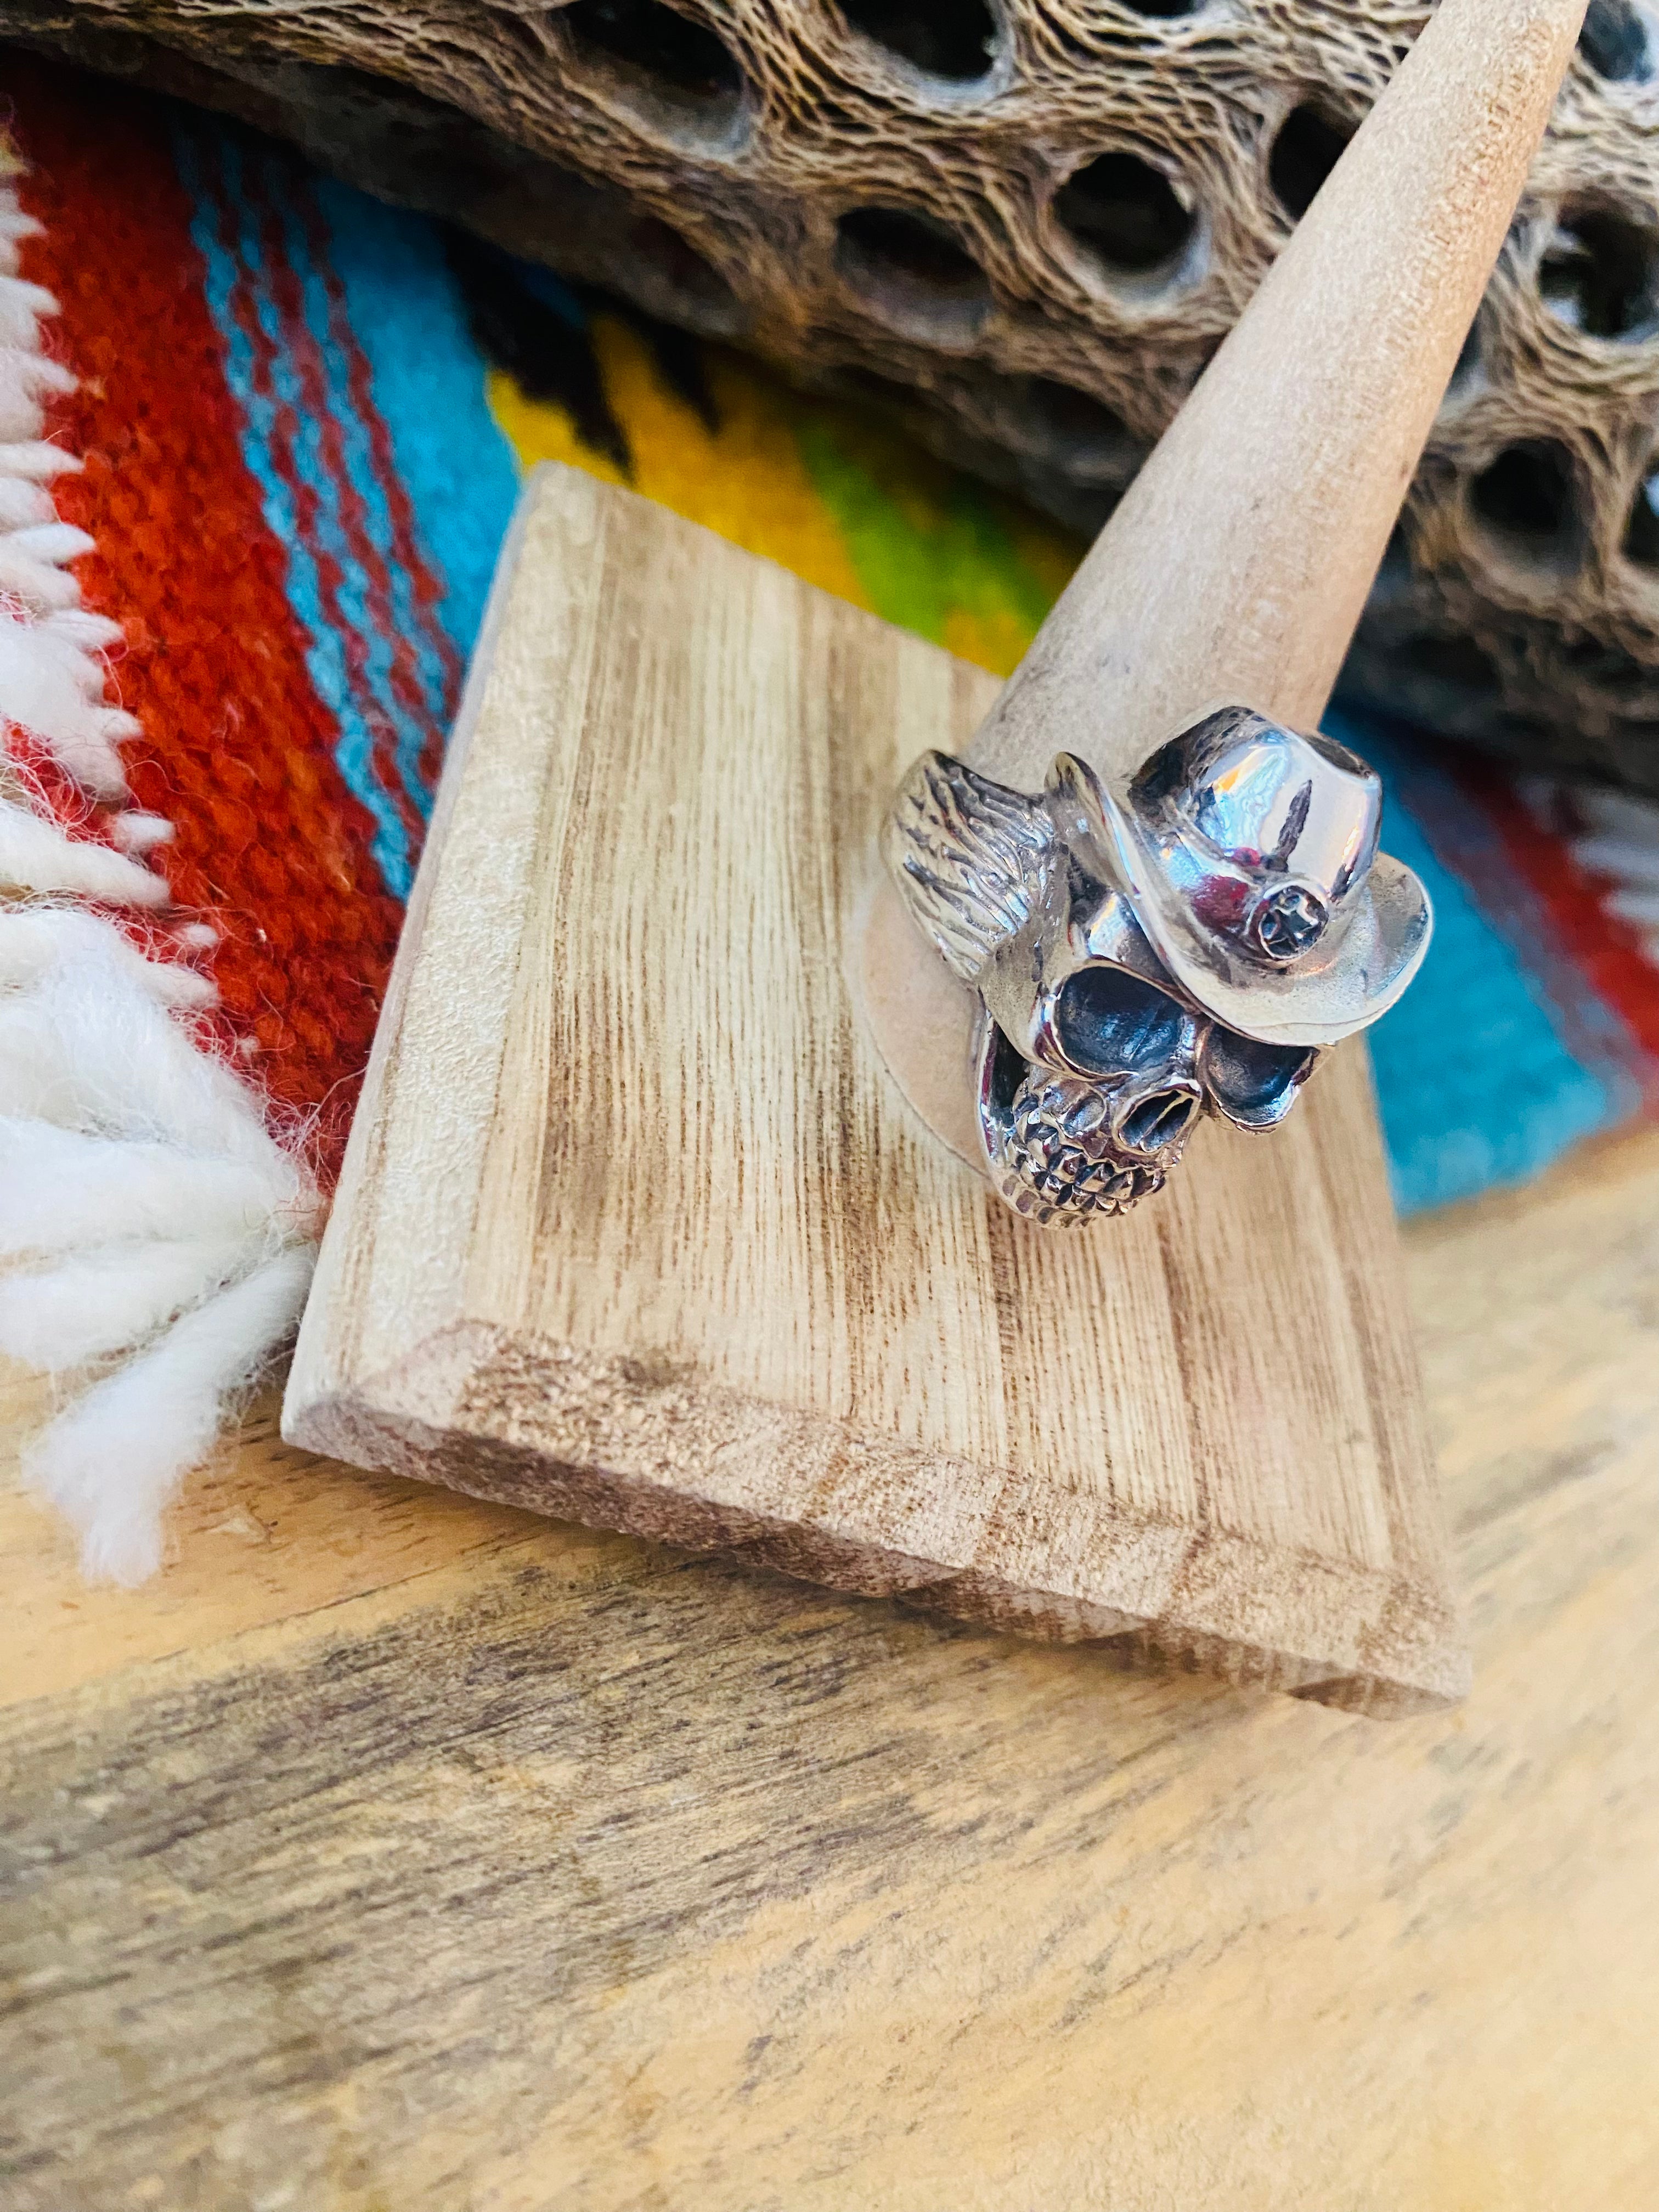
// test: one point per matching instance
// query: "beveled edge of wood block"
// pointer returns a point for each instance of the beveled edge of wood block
(617, 1444)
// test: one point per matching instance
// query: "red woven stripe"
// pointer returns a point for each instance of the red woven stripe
(1606, 953)
(237, 750)
(306, 356)
(301, 352)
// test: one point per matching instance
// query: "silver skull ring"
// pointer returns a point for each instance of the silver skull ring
(1186, 944)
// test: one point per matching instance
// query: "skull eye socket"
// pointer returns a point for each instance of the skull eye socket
(1253, 1084)
(1111, 1023)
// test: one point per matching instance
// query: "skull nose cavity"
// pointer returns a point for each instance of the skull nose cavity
(1086, 1114)
(1158, 1121)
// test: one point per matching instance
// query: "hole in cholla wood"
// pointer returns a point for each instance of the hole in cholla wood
(1127, 215)
(1467, 361)
(1615, 42)
(912, 271)
(690, 280)
(662, 52)
(1641, 541)
(1069, 428)
(1528, 497)
(950, 39)
(1308, 148)
(1599, 272)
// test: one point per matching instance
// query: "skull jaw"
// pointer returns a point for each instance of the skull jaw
(1054, 1143)
(1038, 1184)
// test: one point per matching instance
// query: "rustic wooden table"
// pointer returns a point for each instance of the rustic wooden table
(393, 1852)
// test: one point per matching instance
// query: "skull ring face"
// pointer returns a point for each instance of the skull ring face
(1094, 1071)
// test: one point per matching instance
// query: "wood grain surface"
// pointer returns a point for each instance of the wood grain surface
(398, 1853)
(634, 1227)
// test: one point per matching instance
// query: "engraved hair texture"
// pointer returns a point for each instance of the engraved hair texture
(972, 858)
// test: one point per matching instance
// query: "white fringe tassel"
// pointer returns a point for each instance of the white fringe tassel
(1611, 835)
(1622, 843)
(156, 1240)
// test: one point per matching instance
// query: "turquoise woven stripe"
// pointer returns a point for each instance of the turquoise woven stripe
(457, 467)
(281, 452)
(1475, 1079)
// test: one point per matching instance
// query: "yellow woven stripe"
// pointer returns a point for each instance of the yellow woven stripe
(824, 490)
(746, 480)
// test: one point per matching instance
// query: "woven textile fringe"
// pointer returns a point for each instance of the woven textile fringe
(1613, 836)
(1620, 842)
(158, 1241)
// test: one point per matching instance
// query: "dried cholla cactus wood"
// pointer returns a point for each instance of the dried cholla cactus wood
(1026, 227)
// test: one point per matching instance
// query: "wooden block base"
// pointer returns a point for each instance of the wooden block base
(636, 1229)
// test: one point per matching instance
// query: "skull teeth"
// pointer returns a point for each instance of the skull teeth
(1050, 1171)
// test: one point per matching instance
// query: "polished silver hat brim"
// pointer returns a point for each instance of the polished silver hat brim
(1329, 994)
